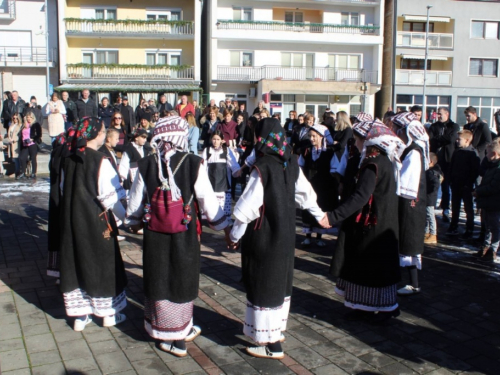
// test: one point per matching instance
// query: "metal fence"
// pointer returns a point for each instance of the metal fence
(416, 77)
(125, 73)
(417, 40)
(22, 55)
(245, 73)
(128, 27)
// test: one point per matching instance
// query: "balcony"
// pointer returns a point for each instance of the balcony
(8, 10)
(417, 40)
(126, 72)
(254, 74)
(26, 56)
(152, 29)
(416, 77)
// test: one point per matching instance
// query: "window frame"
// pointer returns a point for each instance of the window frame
(431, 26)
(241, 53)
(106, 50)
(168, 52)
(484, 22)
(242, 10)
(359, 55)
(482, 59)
(164, 12)
(294, 12)
(349, 15)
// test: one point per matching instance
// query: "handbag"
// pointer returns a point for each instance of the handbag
(164, 215)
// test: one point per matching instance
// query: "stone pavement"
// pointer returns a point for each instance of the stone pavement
(453, 326)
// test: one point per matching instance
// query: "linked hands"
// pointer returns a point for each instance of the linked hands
(230, 244)
(324, 223)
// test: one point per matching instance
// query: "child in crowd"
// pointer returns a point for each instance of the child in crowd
(488, 199)
(433, 178)
(464, 169)
(221, 162)
(229, 129)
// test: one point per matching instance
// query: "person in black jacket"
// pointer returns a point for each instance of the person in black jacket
(35, 108)
(163, 105)
(31, 134)
(496, 115)
(464, 170)
(106, 112)
(11, 106)
(128, 115)
(71, 112)
(85, 106)
(480, 130)
(240, 111)
(433, 178)
(443, 136)
(300, 136)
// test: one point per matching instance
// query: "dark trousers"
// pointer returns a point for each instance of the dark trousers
(459, 194)
(445, 193)
(30, 151)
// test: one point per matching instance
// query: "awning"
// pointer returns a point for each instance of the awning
(301, 92)
(422, 57)
(408, 17)
(128, 87)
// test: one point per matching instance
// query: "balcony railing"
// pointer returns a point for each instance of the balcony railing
(25, 55)
(304, 27)
(129, 72)
(417, 40)
(245, 73)
(8, 10)
(416, 77)
(78, 26)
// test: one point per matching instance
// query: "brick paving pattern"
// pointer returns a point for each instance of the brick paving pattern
(452, 327)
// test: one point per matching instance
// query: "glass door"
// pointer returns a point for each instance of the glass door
(317, 110)
(310, 66)
(88, 58)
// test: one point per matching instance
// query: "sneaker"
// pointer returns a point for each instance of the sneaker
(408, 290)
(467, 235)
(320, 243)
(431, 239)
(169, 347)
(195, 332)
(120, 238)
(306, 242)
(452, 232)
(80, 324)
(264, 352)
(113, 320)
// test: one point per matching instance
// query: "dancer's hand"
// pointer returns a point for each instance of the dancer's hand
(324, 223)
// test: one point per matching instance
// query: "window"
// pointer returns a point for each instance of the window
(289, 60)
(294, 17)
(350, 18)
(417, 26)
(163, 58)
(405, 102)
(485, 107)
(415, 64)
(240, 58)
(106, 57)
(483, 67)
(242, 14)
(105, 14)
(164, 14)
(484, 30)
(344, 61)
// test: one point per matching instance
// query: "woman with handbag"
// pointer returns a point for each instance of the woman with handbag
(176, 185)
(31, 135)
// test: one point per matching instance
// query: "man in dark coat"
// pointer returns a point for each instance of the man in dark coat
(35, 108)
(480, 130)
(443, 136)
(163, 105)
(128, 115)
(71, 112)
(11, 106)
(85, 106)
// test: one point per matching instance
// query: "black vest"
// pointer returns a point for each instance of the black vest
(217, 173)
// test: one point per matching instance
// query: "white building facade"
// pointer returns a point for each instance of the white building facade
(24, 54)
(463, 58)
(297, 55)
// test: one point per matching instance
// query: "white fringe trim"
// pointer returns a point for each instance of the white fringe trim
(409, 260)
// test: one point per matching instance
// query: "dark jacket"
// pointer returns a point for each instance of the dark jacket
(164, 107)
(71, 112)
(300, 144)
(482, 136)
(237, 113)
(130, 119)
(433, 181)
(496, 115)
(10, 108)
(35, 134)
(105, 114)
(488, 193)
(86, 109)
(442, 138)
(464, 168)
(37, 111)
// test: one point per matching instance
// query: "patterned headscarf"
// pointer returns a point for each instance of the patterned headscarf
(170, 135)
(323, 131)
(363, 128)
(362, 116)
(415, 132)
(271, 141)
(77, 137)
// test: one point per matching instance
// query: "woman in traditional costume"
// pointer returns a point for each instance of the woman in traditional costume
(171, 261)
(369, 233)
(265, 223)
(412, 196)
(92, 271)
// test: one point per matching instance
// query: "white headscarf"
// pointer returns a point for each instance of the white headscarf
(415, 132)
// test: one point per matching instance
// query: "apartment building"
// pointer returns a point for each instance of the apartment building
(141, 49)
(24, 54)
(463, 57)
(295, 55)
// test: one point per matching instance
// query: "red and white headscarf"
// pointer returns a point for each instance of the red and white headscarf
(170, 135)
(415, 132)
(362, 116)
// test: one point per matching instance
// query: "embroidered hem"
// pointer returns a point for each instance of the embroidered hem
(367, 298)
(78, 303)
(167, 321)
(265, 324)
(409, 260)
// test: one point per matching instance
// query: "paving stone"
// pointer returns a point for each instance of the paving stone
(307, 335)
(10, 331)
(354, 346)
(307, 357)
(447, 361)
(12, 344)
(151, 366)
(113, 362)
(240, 368)
(25, 371)
(38, 329)
(184, 366)
(96, 336)
(377, 359)
(104, 347)
(222, 355)
(420, 365)
(350, 363)
(329, 370)
(14, 360)
(80, 365)
(136, 354)
(74, 349)
(326, 349)
(40, 343)
(52, 369)
(268, 366)
(67, 335)
(45, 358)
(397, 369)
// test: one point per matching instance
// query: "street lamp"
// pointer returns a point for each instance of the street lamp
(424, 109)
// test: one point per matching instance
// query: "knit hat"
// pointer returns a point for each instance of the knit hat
(170, 135)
